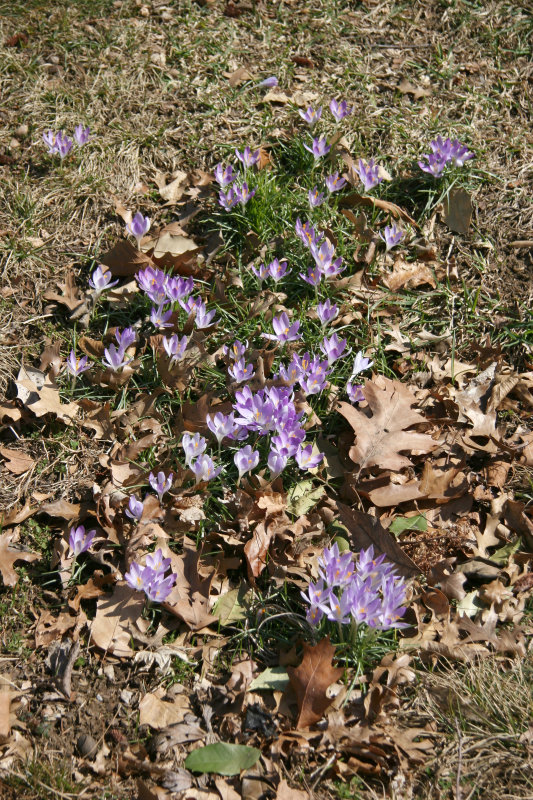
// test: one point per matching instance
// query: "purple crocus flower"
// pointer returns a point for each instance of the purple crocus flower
(441, 148)
(315, 197)
(311, 116)
(204, 318)
(333, 348)
(261, 272)
(305, 458)
(160, 484)
(224, 175)
(50, 140)
(339, 110)
(459, 153)
(153, 282)
(240, 371)
(158, 588)
(64, 144)
(268, 83)
(317, 596)
(369, 173)
(79, 541)
(161, 317)
(135, 508)
(283, 330)
(228, 199)
(125, 338)
(307, 233)
(101, 279)
(236, 351)
(114, 358)
(318, 148)
(244, 193)
(157, 563)
(314, 382)
(192, 305)
(278, 269)
(138, 227)
(360, 364)
(391, 236)
(221, 425)
(276, 464)
(334, 182)
(193, 445)
(138, 576)
(178, 288)
(75, 366)
(247, 157)
(246, 460)
(313, 277)
(354, 392)
(175, 348)
(323, 254)
(326, 312)
(436, 164)
(81, 135)
(204, 468)
(333, 268)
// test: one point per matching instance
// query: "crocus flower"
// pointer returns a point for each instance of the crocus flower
(313, 277)
(369, 174)
(125, 338)
(334, 182)
(228, 199)
(177, 288)
(246, 460)
(175, 347)
(333, 348)
(80, 541)
(154, 283)
(360, 364)
(236, 351)
(81, 135)
(50, 140)
(157, 563)
(114, 358)
(64, 144)
(161, 317)
(459, 153)
(224, 175)
(311, 116)
(76, 366)
(268, 83)
(278, 269)
(276, 464)
(221, 425)
(204, 468)
(139, 226)
(283, 330)
(135, 508)
(138, 576)
(318, 148)
(241, 371)
(244, 193)
(101, 279)
(192, 304)
(436, 164)
(305, 458)
(391, 236)
(307, 233)
(204, 318)
(158, 588)
(354, 392)
(247, 157)
(339, 110)
(193, 445)
(160, 484)
(261, 273)
(326, 311)
(315, 197)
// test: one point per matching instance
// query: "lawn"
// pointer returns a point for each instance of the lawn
(266, 378)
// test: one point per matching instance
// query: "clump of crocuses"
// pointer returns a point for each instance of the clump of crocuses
(356, 589)
(150, 579)
(444, 152)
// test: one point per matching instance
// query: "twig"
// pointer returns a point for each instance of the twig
(319, 772)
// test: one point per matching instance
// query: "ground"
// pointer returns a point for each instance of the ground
(159, 85)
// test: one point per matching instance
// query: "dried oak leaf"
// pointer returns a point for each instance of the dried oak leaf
(39, 395)
(365, 530)
(312, 679)
(383, 435)
(124, 259)
(8, 558)
(356, 199)
(189, 599)
(116, 614)
(409, 275)
(17, 461)
(70, 295)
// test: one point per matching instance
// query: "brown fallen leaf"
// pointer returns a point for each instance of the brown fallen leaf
(115, 616)
(189, 599)
(457, 210)
(382, 435)
(50, 628)
(406, 87)
(124, 259)
(238, 77)
(285, 792)
(356, 199)
(409, 275)
(159, 713)
(365, 530)
(172, 192)
(18, 462)
(37, 394)
(312, 679)
(70, 295)
(9, 556)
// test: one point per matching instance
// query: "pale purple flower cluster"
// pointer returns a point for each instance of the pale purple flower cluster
(225, 176)
(167, 292)
(310, 372)
(79, 540)
(444, 152)
(60, 143)
(355, 591)
(196, 459)
(115, 355)
(276, 270)
(151, 578)
(160, 483)
(368, 173)
(323, 252)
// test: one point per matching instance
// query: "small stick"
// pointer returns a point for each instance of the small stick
(458, 791)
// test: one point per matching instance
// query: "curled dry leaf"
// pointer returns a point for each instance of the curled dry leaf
(115, 617)
(312, 679)
(409, 275)
(8, 557)
(355, 199)
(41, 396)
(17, 461)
